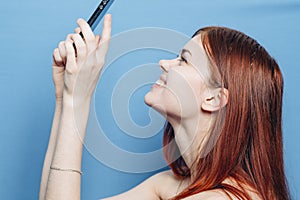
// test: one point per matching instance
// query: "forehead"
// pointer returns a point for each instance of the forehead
(194, 44)
(198, 57)
(198, 54)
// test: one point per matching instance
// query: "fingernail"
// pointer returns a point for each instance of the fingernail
(108, 16)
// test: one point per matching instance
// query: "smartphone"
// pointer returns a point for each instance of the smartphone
(99, 13)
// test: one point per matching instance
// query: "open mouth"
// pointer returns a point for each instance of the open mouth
(162, 80)
(160, 83)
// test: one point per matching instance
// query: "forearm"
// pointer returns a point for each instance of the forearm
(78, 76)
(64, 183)
(50, 149)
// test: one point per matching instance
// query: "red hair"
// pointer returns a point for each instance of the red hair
(249, 148)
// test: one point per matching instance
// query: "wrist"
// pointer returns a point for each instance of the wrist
(75, 112)
(75, 101)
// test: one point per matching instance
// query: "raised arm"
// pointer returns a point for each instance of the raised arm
(62, 166)
(58, 70)
(52, 140)
(75, 74)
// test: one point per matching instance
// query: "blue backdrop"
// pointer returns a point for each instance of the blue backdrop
(31, 29)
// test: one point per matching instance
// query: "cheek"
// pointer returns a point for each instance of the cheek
(185, 93)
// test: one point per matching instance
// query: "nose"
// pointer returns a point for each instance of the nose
(165, 65)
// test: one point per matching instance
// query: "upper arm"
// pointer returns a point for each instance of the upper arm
(146, 190)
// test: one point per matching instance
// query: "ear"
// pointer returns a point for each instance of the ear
(217, 101)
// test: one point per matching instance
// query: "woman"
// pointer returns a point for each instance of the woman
(222, 98)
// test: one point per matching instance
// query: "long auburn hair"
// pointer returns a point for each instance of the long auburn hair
(249, 147)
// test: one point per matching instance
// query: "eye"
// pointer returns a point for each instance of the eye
(182, 59)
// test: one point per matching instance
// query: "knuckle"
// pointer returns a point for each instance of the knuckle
(56, 55)
(69, 36)
(61, 43)
(69, 46)
(55, 51)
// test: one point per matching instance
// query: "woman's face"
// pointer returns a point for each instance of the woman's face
(182, 86)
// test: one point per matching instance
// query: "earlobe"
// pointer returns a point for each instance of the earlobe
(216, 102)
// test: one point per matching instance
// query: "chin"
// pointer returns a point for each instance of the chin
(148, 99)
(154, 103)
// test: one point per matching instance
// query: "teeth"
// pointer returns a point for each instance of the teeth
(160, 82)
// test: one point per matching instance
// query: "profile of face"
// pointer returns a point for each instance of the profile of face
(183, 89)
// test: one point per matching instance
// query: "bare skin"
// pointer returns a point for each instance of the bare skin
(75, 78)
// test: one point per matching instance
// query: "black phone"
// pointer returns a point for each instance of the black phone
(99, 13)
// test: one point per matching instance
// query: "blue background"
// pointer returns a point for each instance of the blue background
(31, 29)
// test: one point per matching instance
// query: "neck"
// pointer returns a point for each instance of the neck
(190, 134)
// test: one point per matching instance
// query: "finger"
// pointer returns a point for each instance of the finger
(71, 58)
(86, 30)
(57, 60)
(80, 46)
(106, 32)
(69, 37)
(62, 51)
(77, 30)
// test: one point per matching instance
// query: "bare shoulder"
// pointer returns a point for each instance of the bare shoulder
(165, 185)
(150, 189)
(164, 176)
(168, 186)
(218, 194)
(209, 195)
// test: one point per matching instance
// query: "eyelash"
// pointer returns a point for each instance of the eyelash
(181, 59)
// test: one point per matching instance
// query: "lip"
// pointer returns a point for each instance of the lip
(155, 85)
(161, 82)
(163, 78)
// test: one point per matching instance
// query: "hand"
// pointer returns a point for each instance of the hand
(58, 70)
(58, 67)
(83, 64)
(77, 62)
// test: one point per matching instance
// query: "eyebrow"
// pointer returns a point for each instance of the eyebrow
(183, 51)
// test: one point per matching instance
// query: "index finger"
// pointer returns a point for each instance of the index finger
(104, 41)
(106, 29)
